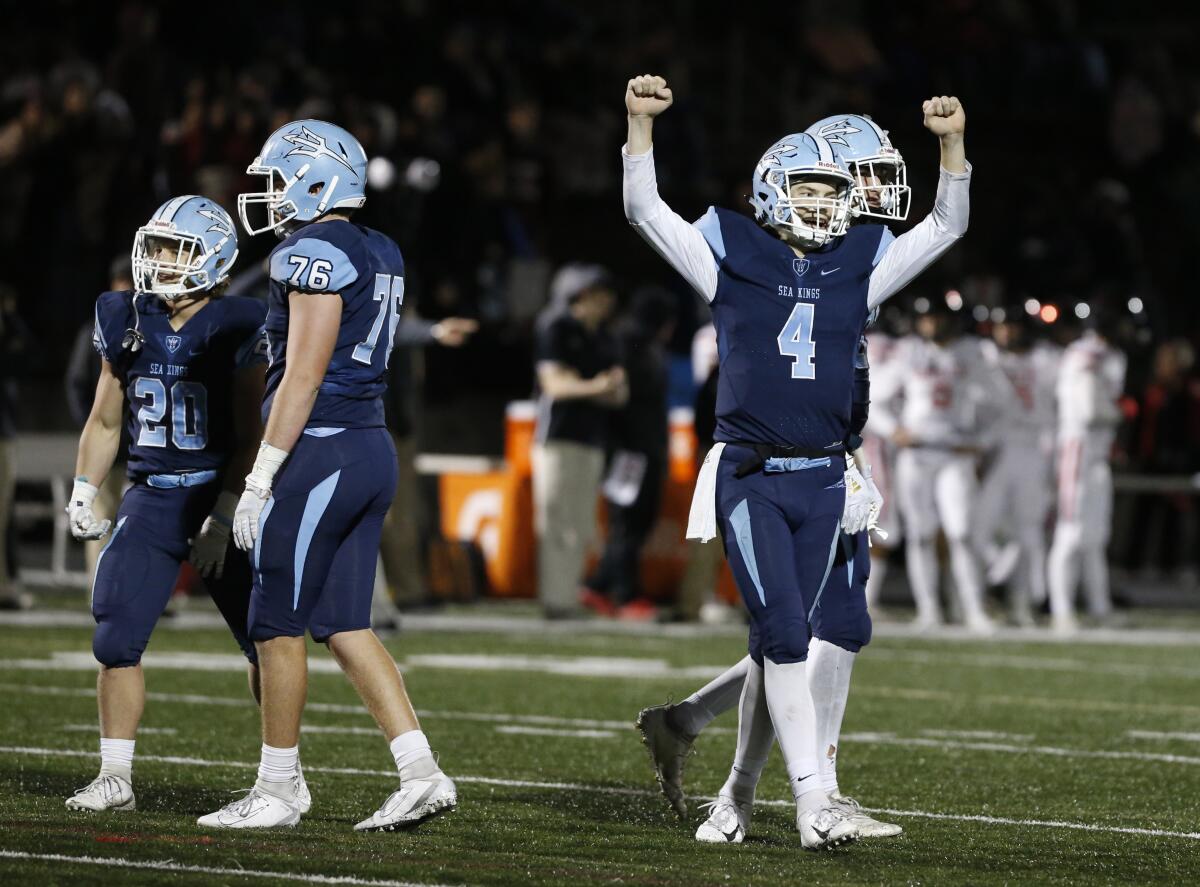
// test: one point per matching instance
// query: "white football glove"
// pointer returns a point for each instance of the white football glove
(254, 499)
(84, 524)
(876, 505)
(210, 544)
(856, 514)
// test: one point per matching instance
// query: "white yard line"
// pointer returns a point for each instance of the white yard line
(166, 865)
(1169, 734)
(1053, 751)
(978, 734)
(615, 790)
(991, 661)
(337, 708)
(142, 731)
(463, 622)
(551, 731)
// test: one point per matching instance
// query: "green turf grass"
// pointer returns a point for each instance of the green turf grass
(1076, 698)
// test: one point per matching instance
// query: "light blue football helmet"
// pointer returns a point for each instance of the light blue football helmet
(312, 167)
(809, 220)
(880, 179)
(188, 246)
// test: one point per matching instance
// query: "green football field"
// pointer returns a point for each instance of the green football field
(1007, 762)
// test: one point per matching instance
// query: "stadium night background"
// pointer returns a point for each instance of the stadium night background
(952, 247)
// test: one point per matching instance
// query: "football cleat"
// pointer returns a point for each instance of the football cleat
(868, 827)
(415, 801)
(303, 795)
(727, 823)
(258, 809)
(826, 828)
(669, 750)
(105, 792)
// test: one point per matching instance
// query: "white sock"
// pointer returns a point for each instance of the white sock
(1095, 581)
(829, 669)
(715, 698)
(1063, 570)
(878, 574)
(755, 736)
(116, 758)
(278, 764)
(795, 722)
(967, 580)
(921, 556)
(410, 747)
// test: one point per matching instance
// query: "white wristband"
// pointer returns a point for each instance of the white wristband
(267, 463)
(83, 492)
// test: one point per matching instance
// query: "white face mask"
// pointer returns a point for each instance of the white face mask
(169, 278)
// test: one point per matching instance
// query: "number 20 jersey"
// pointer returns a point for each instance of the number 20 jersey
(179, 384)
(365, 268)
(788, 331)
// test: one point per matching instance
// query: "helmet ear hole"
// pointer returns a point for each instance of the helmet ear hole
(315, 188)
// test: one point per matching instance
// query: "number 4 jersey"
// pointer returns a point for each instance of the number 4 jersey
(179, 384)
(364, 267)
(788, 330)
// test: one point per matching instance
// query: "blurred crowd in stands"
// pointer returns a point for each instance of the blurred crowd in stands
(495, 137)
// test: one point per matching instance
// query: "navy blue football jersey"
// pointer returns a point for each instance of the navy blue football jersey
(179, 384)
(365, 268)
(788, 331)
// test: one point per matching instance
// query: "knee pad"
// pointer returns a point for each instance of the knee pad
(115, 646)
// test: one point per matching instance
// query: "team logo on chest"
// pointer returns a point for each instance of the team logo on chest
(173, 343)
(800, 266)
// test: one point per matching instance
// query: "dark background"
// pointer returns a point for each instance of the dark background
(1083, 127)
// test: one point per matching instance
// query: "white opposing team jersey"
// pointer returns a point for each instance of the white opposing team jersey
(1031, 377)
(942, 394)
(1090, 381)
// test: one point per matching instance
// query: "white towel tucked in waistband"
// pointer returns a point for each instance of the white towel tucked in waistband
(702, 518)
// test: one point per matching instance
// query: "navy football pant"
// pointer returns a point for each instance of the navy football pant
(137, 568)
(318, 536)
(841, 616)
(780, 533)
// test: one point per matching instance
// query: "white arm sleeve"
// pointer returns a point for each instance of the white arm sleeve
(673, 238)
(917, 249)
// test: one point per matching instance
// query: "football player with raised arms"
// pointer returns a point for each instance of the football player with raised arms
(313, 508)
(189, 362)
(790, 293)
(840, 623)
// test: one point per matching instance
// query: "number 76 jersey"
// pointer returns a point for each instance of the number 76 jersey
(366, 270)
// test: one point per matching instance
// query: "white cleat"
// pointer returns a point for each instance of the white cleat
(826, 828)
(258, 809)
(415, 801)
(669, 750)
(868, 827)
(303, 795)
(727, 823)
(105, 792)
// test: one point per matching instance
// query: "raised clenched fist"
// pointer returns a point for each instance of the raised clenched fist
(647, 95)
(944, 115)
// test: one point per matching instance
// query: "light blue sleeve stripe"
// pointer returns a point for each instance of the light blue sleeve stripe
(740, 518)
(323, 432)
(886, 240)
(709, 225)
(314, 507)
(837, 534)
(100, 557)
(294, 267)
(262, 522)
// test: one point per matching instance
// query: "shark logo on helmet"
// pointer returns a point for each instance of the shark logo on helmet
(309, 144)
(835, 133)
(771, 158)
(218, 223)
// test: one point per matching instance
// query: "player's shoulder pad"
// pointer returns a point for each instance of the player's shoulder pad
(385, 250)
(114, 315)
(319, 258)
(886, 239)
